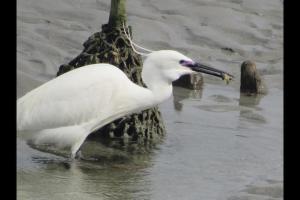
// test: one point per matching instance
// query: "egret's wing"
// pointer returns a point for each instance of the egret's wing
(76, 97)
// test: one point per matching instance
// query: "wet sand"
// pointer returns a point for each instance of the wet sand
(219, 145)
(221, 33)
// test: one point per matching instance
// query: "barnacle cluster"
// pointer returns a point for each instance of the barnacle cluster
(112, 46)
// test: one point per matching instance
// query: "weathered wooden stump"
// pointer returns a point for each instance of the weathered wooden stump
(251, 82)
(112, 46)
(193, 81)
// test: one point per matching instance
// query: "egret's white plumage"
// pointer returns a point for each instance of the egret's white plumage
(65, 110)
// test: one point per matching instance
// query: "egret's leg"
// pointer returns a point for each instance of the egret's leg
(76, 155)
(69, 136)
(75, 150)
(79, 154)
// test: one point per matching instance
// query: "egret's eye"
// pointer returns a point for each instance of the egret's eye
(181, 62)
(186, 63)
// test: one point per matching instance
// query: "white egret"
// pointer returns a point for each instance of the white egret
(65, 110)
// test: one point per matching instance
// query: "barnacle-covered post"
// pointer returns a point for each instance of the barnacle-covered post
(117, 13)
(251, 82)
(190, 81)
(112, 46)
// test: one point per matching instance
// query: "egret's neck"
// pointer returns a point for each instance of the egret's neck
(161, 92)
(160, 87)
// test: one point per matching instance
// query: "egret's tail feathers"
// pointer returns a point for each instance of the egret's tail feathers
(70, 137)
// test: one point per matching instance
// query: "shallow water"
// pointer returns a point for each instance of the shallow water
(220, 145)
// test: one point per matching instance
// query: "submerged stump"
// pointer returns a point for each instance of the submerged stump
(190, 81)
(251, 82)
(111, 46)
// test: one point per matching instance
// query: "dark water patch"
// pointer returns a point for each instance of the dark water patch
(228, 49)
(277, 26)
(179, 122)
(171, 12)
(245, 11)
(52, 163)
(195, 39)
(92, 156)
(38, 62)
(241, 136)
(48, 148)
(270, 191)
(272, 181)
(251, 116)
(220, 98)
(236, 1)
(218, 108)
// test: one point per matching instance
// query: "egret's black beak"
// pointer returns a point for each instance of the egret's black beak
(208, 70)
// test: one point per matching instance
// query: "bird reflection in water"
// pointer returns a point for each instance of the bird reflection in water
(85, 179)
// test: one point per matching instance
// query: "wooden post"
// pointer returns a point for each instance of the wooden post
(251, 82)
(136, 132)
(117, 13)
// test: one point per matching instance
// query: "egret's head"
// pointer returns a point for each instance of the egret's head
(168, 65)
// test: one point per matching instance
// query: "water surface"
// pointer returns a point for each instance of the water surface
(220, 145)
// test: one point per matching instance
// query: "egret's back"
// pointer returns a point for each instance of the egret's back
(73, 98)
(65, 110)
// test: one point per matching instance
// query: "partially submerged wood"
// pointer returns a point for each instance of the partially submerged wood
(117, 13)
(251, 82)
(192, 81)
(112, 46)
